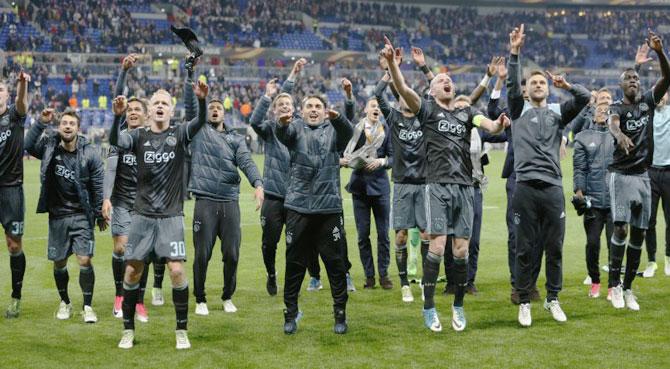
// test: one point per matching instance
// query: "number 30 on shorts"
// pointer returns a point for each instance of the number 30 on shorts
(178, 249)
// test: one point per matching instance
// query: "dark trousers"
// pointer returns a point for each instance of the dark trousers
(539, 214)
(473, 248)
(307, 236)
(660, 193)
(380, 208)
(273, 218)
(510, 186)
(212, 219)
(594, 222)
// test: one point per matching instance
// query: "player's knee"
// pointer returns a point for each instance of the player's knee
(60, 264)
(84, 261)
(14, 245)
(620, 231)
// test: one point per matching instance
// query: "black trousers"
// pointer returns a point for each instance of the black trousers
(212, 219)
(539, 214)
(660, 193)
(594, 222)
(307, 236)
(380, 206)
(273, 218)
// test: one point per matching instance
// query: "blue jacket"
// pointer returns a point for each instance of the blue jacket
(89, 175)
(376, 183)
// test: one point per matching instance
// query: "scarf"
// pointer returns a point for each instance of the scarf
(368, 152)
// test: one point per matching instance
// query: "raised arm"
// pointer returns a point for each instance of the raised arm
(343, 129)
(379, 95)
(35, 141)
(492, 109)
(484, 84)
(286, 130)
(515, 99)
(118, 138)
(572, 107)
(258, 122)
(22, 94)
(661, 86)
(411, 98)
(420, 60)
(493, 127)
(194, 125)
(127, 63)
(349, 108)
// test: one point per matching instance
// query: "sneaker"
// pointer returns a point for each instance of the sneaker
(201, 309)
(64, 311)
(141, 313)
(89, 315)
(350, 284)
(595, 291)
(406, 294)
(525, 318)
(291, 324)
(555, 308)
(650, 270)
(587, 281)
(157, 297)
(385, 282)
(127, 339)
(431, 321)
(228, 306)
(314, 284)
(14, 309)
(630, 300)
(271, 285)
(617, 297)
(340, 322)
(117, 311)
(369, 283)
(609, 294)
(182, 339)
(458, 321)
(667, 266)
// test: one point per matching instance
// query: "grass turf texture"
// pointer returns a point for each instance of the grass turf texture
(384, 331)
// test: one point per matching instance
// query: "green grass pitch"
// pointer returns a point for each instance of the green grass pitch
(384, 331)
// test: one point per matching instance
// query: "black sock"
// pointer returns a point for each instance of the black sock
(460, 279)
(159, 271)
(130, 294)
(401, 260)
(269, 256)
(143, 284)
(180, 300)
(87, 282)
(117, 270)
(633, 253)
(62, 278)
(424, 251)
(431, 268)
(17, 264)
(616, 259)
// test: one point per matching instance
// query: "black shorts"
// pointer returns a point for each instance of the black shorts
(67, 235)
(12, 210)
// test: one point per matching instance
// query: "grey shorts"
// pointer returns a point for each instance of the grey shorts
(161, 238)
(12, 210)
(630, 199)
(121, 219)
(69, 235)
(408, 209)
(449, 209)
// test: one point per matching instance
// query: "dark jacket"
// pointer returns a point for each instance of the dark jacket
(594, 150)
(494, 112)
(314, 181)
(89, 175)
(375, 183)
(276, 164)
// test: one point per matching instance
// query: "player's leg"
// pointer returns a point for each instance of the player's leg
(299, 252)
(450, 285)
(206, 217)
(272, 221)
(510, 186)
(553, 230)
(157, 290)
(436, 198)
(462, 220)
(231, 237)
(362, 208)
(526, 231)
(621, 216)
(120, 228)
(650, 237)
(12, 212)
(381, 210)
(665, 200)
(170, 246)
(473, 252)
(140, 309)
(327, 238)
(594, 221)
(59, 249)
(83, 246)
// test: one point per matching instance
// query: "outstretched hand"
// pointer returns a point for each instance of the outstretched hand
(418, 57)
(494, 65)
(347, 87)
(516, 39)
(558, 81)
(271, 88)
(200, 89)
(642, 55)
(654, 41)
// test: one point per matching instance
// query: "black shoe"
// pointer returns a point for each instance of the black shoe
(340, 322)
(471, 289)
(291, 323)
(271, 285)
(450, 289)
(514, 297)
(369, 283)
(535, 294)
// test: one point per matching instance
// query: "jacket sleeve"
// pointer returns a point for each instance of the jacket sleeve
(35, 141)
(344, 131)
(287, 134)
(580, 166)
(193, 126)
(258, 122)
(515, 99)
(349, 107)
(120, 83)
(96, 168)
(487, 137)
(246, 164)
(579, 123)
(287, 86)
(190, 101)
(388, 148)
(381, 100)
(117, 138)
(572, 107)
(110, 173)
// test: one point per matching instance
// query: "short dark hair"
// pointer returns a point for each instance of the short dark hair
(321, 98)
(215, 101)
(629, 69)
(72, 113)
(138, 100)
